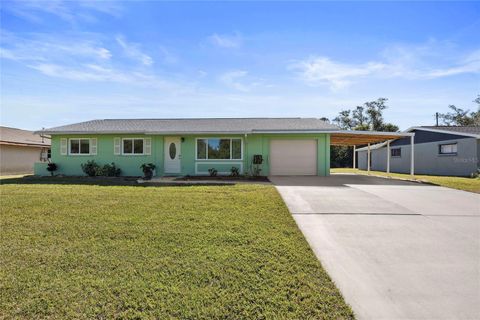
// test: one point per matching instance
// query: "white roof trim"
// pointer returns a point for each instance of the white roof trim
(444, 131)
(373, 147)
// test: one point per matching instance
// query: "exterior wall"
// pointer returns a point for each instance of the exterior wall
(427, 159)
(18, 159)
(130, 164)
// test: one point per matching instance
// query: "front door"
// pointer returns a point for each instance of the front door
(173, 155)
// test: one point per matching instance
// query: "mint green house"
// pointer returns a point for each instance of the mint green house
(287, 146)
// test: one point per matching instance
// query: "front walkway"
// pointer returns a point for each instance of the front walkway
(396, 249)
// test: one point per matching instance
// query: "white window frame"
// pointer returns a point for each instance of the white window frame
(221, 138)
(447, 153)
(391, 155)
(133, 147)
(79, 154)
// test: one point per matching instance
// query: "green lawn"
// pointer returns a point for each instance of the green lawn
(461, 183)
(230, 252)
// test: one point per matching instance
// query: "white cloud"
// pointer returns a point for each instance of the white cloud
(241, 81)
(408, 62)
(69, 11)
(226, 41)
(98, 73)
(133, 51)
(232, 80)
(73, 58)
(41, 47)
(471, 64)
(322, 70)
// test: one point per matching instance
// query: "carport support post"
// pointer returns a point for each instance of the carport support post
(388, 157)
(412, 155)
(354, 155)
(368, 159)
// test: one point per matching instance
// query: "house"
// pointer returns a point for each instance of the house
(20, 149)
(282, 146)
(439, 150)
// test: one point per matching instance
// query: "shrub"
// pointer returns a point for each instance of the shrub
(234, 172)
(109, 170)
(147, 169)
(51, 167)
(91, 168)
(213, 172)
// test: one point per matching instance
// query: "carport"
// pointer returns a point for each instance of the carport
(362, 138)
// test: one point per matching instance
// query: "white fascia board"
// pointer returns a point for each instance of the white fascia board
(444, 131)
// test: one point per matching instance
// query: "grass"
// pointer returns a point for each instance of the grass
(87, 251)
(460, 183)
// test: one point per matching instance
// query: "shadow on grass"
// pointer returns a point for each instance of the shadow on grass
(99, 181)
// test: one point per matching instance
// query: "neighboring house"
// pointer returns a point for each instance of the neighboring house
(20, 149)
(287, 146)
(439, 150)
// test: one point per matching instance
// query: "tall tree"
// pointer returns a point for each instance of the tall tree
(344, 120)
(460, 117)
(361, 119)
(367, 117)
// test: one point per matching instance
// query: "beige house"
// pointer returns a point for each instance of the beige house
(20, 149)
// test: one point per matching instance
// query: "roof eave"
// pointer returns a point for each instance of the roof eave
(444, 131)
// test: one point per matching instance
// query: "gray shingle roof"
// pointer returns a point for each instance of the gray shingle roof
(456, 129)
(202, 125)
(24, 137)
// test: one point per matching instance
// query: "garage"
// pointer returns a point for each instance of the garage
(293, 157)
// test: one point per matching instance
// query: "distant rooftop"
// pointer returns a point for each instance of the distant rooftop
(199, 125)
(16, 136)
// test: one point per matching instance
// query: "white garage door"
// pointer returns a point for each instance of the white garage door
(293, 157)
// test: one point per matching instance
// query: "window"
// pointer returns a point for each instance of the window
(447, 148)
(133, 146)
(219, 149)
(397, 152)
(79, 146)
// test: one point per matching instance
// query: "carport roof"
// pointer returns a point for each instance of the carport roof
(355, 138)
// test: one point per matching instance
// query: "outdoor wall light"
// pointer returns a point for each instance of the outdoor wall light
(182, 139)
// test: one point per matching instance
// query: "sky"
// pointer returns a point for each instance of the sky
(64, 62)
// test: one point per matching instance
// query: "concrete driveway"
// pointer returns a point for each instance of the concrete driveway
(396, 250)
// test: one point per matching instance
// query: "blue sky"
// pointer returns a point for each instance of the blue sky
(65, 62)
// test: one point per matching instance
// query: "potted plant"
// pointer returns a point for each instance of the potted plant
(147, 169)
(52, 167)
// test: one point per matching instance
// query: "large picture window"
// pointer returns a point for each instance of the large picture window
(133, 146)
(79, 146)
(219, 149)
(450, 148)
